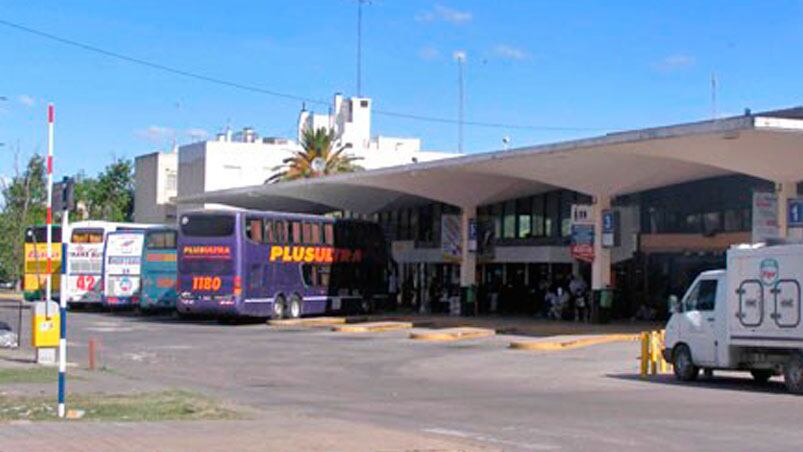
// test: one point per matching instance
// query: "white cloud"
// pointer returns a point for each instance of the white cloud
(26, 100)
(197, 134)
(428, 53)
(156, 134)
(445, 14)
(460, 55)
(507, 52)
(673, 62)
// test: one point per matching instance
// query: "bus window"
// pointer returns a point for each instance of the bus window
(207, 225)
(307, 233)
(87, 236)
(254, 229)
(161, 240)
(270, 232)
(328, 234)
(310, 274)
(296, 230)
(323, 275)
(281, 231)
(316, 234)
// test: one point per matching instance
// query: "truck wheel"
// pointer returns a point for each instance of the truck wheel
(278, 308)
(294, 307)
(761, 375)
(684, 367)
(793, 375)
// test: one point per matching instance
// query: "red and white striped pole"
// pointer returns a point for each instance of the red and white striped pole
(49, 221)
(51, 117)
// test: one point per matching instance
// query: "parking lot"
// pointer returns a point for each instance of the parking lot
(464, 395)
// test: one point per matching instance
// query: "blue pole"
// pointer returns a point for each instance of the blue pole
(63, 328)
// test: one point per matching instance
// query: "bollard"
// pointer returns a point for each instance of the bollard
(92, 353)
(645, 352)
(653, 357)
(662, 339)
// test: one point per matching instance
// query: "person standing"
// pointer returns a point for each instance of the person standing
(579, 289)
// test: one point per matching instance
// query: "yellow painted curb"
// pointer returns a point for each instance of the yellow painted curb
(372, 327)
(572, 344)
(452, 334)
(312, 321)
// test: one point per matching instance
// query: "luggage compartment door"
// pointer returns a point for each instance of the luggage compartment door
(786, 301)
(751, 303)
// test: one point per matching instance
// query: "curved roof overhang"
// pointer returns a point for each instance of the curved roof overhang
(615, 164)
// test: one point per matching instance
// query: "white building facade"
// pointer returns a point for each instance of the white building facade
(350, 119)
(229, 161)
(241, 159)
(156, 182)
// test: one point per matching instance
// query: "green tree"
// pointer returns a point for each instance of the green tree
(315, 144)
(110, 196)
(24, 201)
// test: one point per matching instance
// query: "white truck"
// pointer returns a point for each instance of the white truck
(746, 317)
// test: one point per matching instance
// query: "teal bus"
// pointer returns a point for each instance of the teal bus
(159, 270)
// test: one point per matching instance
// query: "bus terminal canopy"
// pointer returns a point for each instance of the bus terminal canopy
(767, 146)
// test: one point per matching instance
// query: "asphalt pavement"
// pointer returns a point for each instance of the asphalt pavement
(473, 394)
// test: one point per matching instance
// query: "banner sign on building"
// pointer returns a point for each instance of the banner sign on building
(451, 239)
(582, 229)
(610, 228)
(795, 213)
(472, 235)
(765, 216)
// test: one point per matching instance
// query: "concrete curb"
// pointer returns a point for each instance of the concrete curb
(309, 322)
(548, 346)
(372, 327)
(452, 334)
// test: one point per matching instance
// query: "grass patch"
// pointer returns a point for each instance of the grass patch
(29, 375)
(151, 406)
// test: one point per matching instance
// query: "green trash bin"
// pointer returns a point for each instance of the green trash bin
(468, 300)
(605, 305)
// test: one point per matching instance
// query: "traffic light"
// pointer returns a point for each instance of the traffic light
(64, 195)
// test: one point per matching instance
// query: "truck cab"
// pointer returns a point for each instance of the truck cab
(699, 320)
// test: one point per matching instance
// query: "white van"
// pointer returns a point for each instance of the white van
(747, 317)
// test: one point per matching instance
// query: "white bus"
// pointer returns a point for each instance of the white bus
(122, 267)
(84, 282)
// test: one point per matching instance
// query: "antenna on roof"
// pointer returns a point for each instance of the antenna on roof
(713, 95)
(360, 4)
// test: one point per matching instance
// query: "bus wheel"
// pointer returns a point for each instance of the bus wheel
(294, 308)
(278, 308)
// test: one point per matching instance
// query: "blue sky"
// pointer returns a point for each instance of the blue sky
(591, 65)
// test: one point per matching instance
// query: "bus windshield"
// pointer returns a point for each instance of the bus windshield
(207, 225)
(161, 240)
(38, 234)
(87, 236)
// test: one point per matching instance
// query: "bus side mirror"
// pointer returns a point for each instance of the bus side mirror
(674, 304)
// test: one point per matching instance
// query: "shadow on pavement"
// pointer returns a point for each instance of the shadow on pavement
(168, 317)
(728, 383)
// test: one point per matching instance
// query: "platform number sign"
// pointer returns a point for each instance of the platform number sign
(795, 213)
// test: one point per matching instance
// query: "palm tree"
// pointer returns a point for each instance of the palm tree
(316, 144)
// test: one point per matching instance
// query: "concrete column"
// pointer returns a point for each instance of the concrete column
(786, 191)
(468, 263)
(601, 267)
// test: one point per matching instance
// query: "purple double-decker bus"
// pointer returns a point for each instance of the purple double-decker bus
(244, 263)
